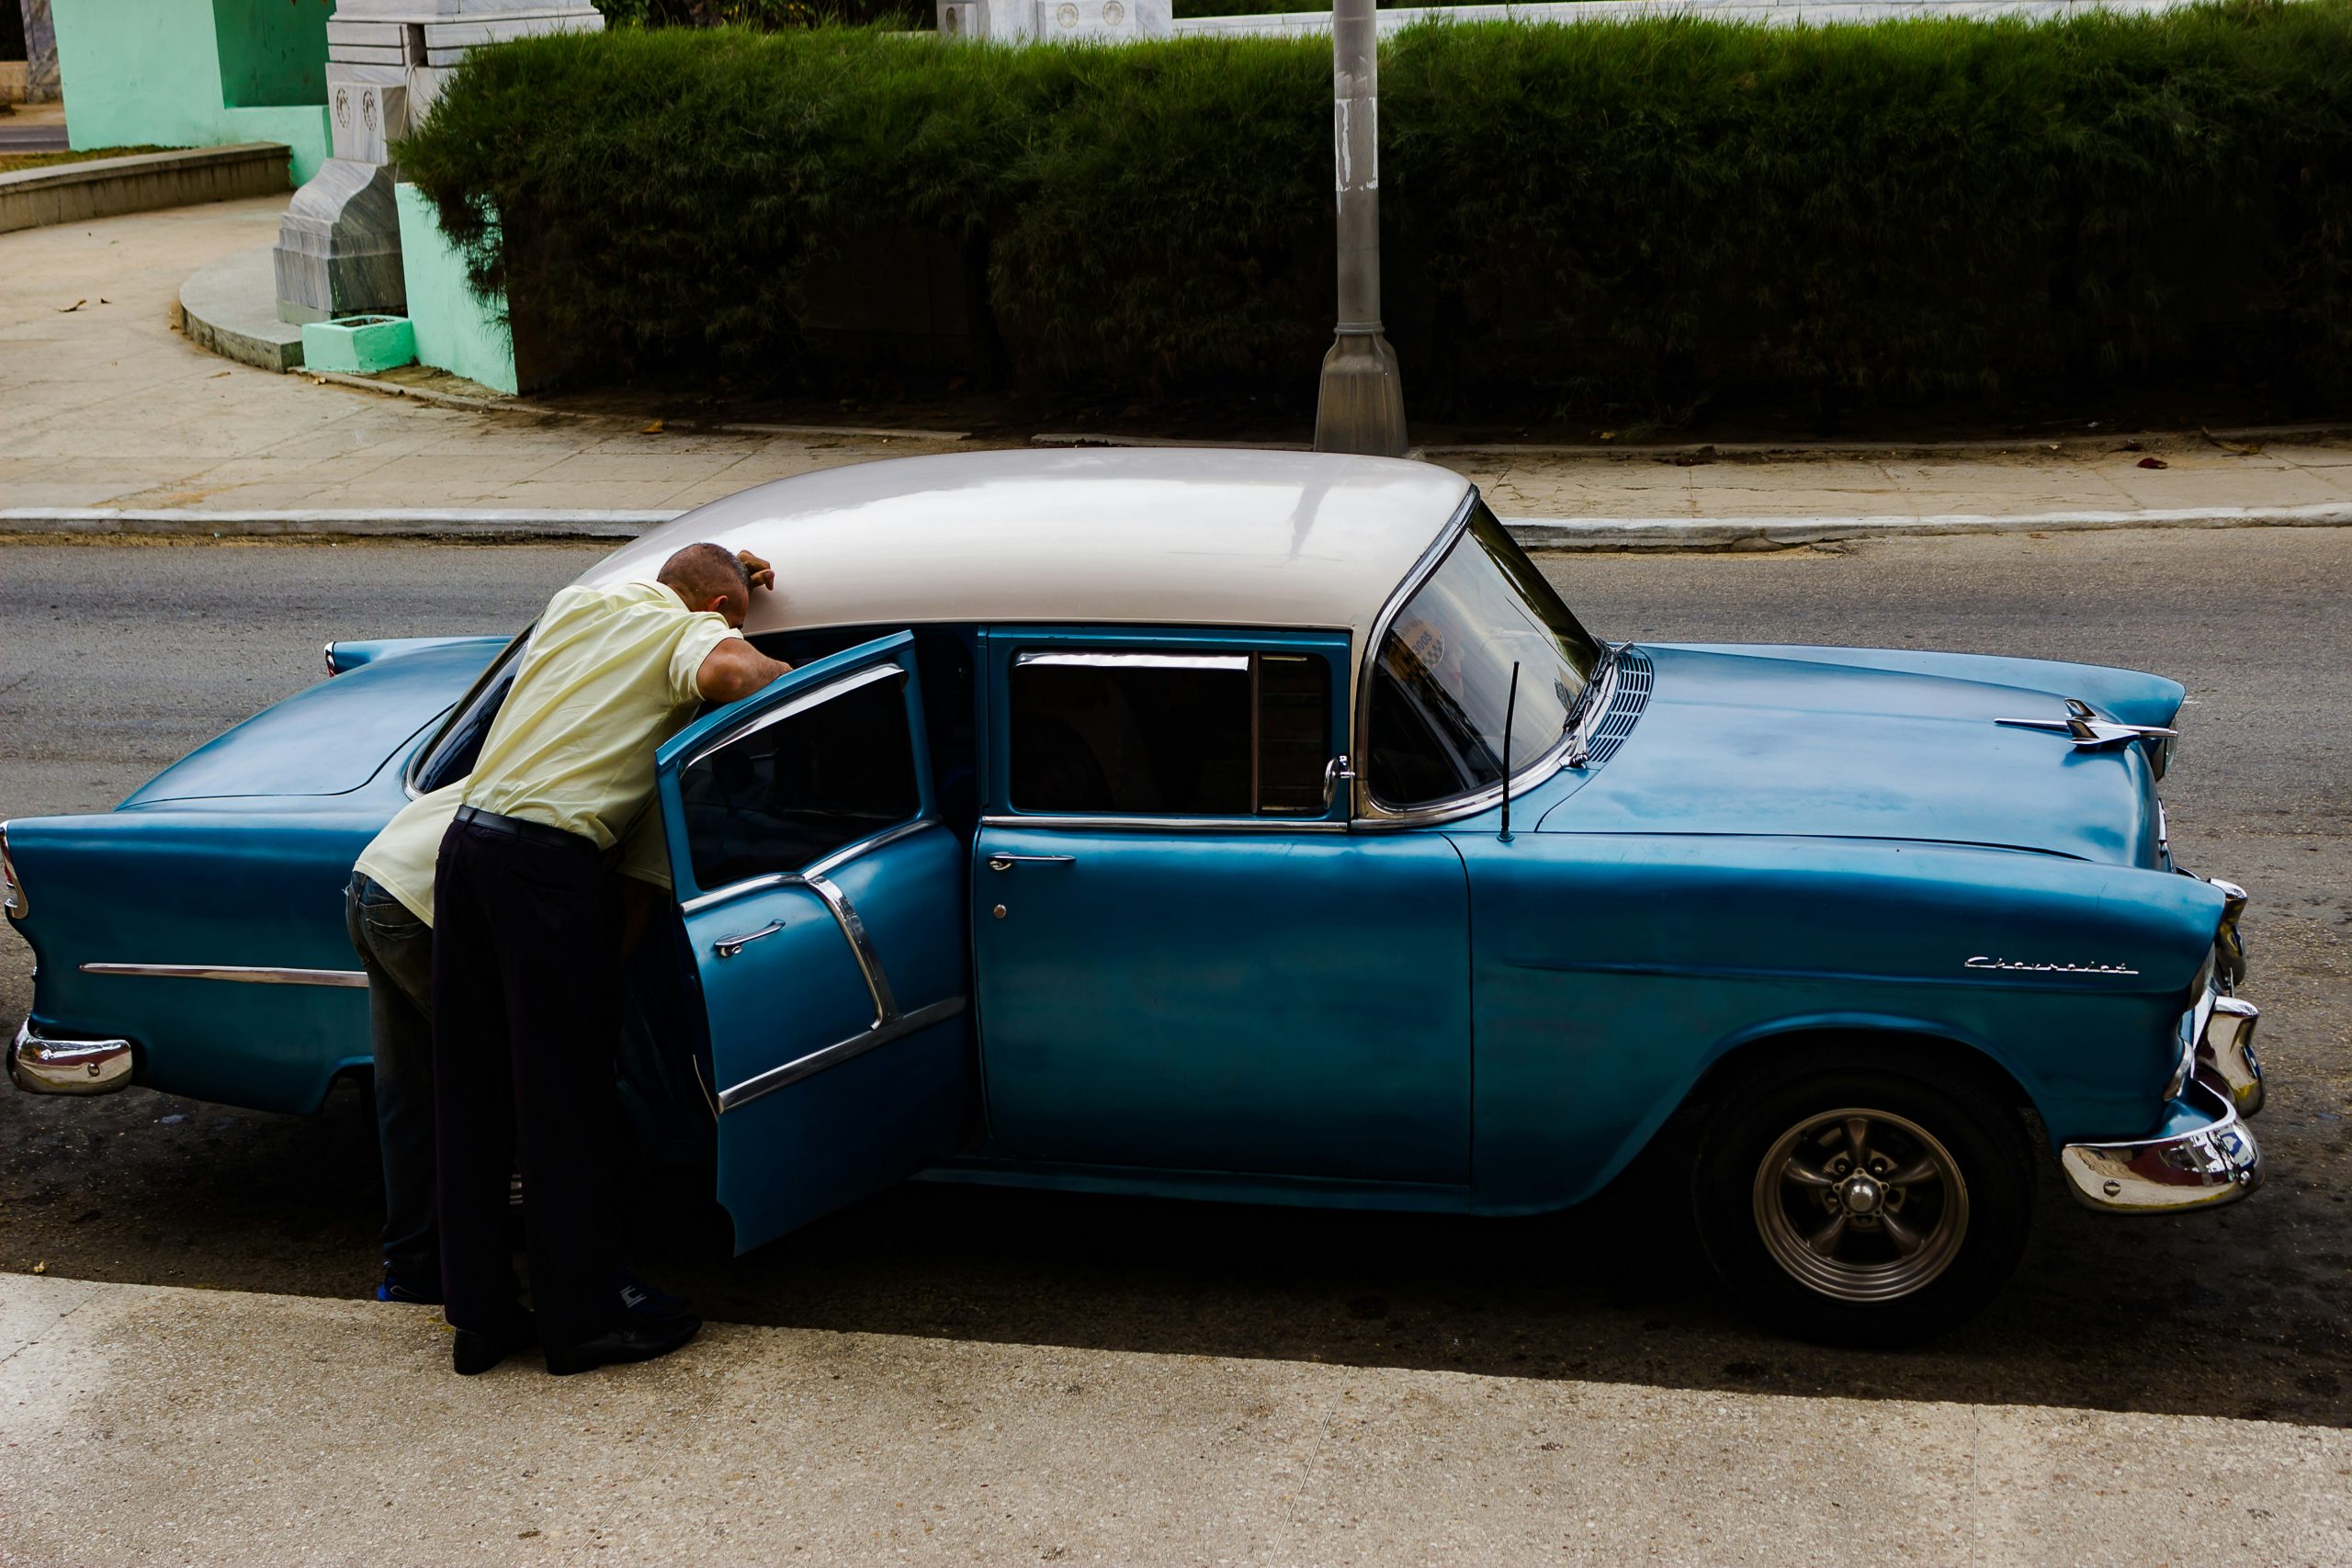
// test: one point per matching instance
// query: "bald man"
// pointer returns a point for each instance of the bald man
(528, 946)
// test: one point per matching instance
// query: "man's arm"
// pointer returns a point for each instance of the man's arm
(734, 670)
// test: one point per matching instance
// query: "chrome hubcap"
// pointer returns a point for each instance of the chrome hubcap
(1861, 1205)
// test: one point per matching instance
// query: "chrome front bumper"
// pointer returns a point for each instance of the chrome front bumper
(2211, 1160)
(2208, 1156)
(38, 1064)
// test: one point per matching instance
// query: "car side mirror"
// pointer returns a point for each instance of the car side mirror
(1334, 771)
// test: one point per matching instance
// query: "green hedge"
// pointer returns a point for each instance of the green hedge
(768, 16)
(1643, 216)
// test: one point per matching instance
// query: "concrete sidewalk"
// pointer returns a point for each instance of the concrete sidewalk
(106, 409)
(144, 1424)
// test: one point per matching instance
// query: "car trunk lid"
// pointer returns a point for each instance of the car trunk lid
(331, 738)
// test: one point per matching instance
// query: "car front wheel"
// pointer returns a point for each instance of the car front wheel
(1860, 1206)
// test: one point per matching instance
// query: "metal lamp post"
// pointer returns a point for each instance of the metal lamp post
(1361, 407)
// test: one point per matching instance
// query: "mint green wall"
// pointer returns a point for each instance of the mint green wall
(457, 330)
(149, 72)
(272, 51)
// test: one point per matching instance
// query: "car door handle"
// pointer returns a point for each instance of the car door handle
(1006, 862)
(729, 946)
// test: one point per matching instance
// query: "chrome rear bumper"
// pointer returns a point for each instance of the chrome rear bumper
(39, 1064)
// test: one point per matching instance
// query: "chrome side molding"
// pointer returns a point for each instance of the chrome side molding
(251, 975)
(881, 1033)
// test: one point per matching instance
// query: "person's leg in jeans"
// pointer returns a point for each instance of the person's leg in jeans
(396, 949)
(473, 1090)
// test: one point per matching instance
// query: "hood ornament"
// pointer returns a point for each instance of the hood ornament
(2087, 730)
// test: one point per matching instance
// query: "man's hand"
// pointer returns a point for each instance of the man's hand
(734, 670)
(761, 574)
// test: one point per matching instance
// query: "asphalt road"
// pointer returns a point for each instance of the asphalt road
(116, 658)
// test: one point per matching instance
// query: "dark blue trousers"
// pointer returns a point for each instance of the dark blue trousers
(527, 977)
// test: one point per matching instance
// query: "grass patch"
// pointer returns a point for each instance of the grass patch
(1637, 217)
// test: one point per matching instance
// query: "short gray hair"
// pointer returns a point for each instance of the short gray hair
(701, 572)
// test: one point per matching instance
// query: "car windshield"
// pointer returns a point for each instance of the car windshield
(1442, 679)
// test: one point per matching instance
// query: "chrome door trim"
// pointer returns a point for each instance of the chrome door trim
(886, 670)
(867, 846)
(833, 1056)
(1173, 824)
(744, 888)
(254, 974)
(869, 962)
(818, 867)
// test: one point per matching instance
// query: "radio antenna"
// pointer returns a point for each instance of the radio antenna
(1510, 709)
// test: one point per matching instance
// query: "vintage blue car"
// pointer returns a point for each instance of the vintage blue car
(1264, 827)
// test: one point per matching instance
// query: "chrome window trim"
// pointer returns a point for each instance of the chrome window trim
(1366, 809)
(764, 881)
(818, 867)
(1170, 824)
(851, 682)
(867, 846)
(255, 974)
(1238, 662)
(831, 1056)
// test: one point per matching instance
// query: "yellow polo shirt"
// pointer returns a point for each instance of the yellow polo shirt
(401, 858)
(610, 674)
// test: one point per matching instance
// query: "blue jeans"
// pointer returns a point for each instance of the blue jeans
(396, 949)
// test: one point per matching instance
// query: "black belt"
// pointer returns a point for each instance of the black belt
(528, 832)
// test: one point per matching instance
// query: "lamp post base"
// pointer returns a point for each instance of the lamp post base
(1361, 405)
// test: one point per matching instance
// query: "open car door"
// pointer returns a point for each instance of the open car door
(823, 903)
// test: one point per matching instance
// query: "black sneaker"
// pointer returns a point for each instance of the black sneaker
(476, 1351)
(649, 1304)
(634, 1341)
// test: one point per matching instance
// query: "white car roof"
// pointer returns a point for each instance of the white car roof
(1159, 536)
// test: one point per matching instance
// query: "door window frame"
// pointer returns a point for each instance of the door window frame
(719, 730)
(1004, 648)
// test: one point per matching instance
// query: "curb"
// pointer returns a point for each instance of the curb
(141, 182)
(482, 524)
(1774, 532)
(510, 525)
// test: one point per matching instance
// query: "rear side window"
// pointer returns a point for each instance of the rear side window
(801, 784)
(453, 752)
(1121, 733)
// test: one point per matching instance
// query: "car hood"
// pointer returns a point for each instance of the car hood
(1877, 744)
(332, 737)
